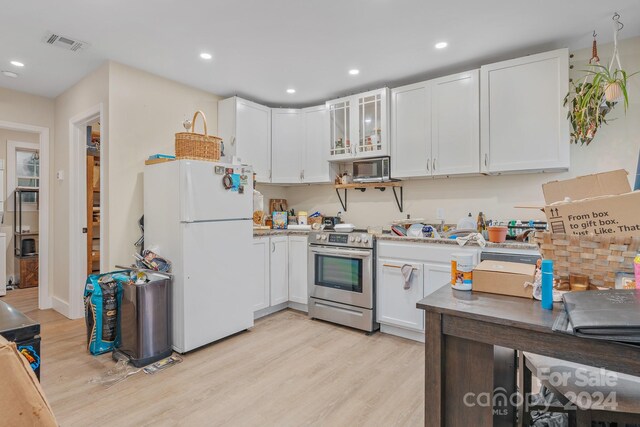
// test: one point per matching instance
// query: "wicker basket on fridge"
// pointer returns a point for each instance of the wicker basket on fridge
(599, 257)
(196, 146)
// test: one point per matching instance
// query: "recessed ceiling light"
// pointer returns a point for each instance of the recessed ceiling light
(205, 55)
(354, 72)
(10, 74)
(291, 91)
(441, 45)
(17, 63)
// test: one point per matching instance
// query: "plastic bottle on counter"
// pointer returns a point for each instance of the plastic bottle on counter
(547, 284)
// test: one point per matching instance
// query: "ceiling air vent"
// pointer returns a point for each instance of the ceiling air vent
(64, 42)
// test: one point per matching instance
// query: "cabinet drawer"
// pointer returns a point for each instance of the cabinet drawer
(422, 252)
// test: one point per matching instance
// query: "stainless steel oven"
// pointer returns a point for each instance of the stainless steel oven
(342, 279)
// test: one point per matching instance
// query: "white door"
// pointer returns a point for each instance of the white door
(279, 274)
(371, 123)
(287, 145)
(341, 145)
(436, 275)
(253, 137)
(259, 273)
(524, 125)
(396, 305)
(203, 196)
(455, 121)
(216, 290)
(298, 269)
(315, 166)
(411, 131)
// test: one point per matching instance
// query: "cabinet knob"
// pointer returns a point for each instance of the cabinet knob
(434, 164)
(428, 164)
(486, 159)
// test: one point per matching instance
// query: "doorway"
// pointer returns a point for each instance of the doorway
(87, 138)
(25, 209)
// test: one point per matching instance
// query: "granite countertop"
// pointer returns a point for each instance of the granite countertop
(426, 240)
(511, 244)
(260, 233)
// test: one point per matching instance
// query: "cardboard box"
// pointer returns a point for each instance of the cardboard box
(601, 204)
(505, 278)
(22, 402)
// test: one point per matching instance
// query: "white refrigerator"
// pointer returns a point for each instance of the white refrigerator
(204, 227)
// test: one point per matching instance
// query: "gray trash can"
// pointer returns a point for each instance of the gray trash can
(146, 320)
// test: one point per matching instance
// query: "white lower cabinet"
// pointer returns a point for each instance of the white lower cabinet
(259, 273)
(298, 269)
(279, 273)
(396, 304)
(436, 275)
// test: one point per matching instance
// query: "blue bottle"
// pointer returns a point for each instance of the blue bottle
(547, 284)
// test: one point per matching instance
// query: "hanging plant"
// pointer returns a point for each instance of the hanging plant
(598, 93)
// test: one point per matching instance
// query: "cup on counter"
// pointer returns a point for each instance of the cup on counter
(578, 282)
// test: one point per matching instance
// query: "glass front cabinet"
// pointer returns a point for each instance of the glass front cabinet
(359, 125)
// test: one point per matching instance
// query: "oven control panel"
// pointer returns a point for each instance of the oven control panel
(354, 239)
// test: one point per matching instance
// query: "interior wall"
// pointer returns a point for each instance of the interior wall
(145, 112)
(91, 91)
(29, 218)
(23, 108)
(616, 146)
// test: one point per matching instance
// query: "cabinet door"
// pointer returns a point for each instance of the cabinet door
(396, 305)
(315, 166)
(371, 123)
(411, 131)
(436, 275)
(287, 145)
(298, 269)
(259, 273)
(340, 129)
(523, 123)
(279, 270)
(455, 121)
(253, 137)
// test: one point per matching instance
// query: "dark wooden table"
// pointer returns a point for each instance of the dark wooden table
(461, 330)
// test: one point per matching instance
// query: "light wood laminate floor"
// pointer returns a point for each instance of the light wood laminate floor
(286, 371)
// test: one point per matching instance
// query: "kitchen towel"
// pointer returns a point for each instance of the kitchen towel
(407, 271)
(474, 237)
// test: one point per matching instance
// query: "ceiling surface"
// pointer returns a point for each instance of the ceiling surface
(261, 48)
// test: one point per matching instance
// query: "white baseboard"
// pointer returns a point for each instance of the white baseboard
(269, 310)
(60, 306)
(298, 306)
(401, 332)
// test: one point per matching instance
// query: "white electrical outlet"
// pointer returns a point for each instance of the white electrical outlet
(440, 213)
(60, 175)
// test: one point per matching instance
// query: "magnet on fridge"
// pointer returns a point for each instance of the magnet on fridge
(219, 170)
(241, 189)
(244, 180)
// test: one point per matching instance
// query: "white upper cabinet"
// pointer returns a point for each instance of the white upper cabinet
(245, 128)
(524, 126)
(455, 124)
(315, 167)
(359, 125)
(411, 130)
(288, 145)
(435, 127)
(298, 145)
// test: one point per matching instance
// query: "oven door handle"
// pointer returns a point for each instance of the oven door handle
(353, 254)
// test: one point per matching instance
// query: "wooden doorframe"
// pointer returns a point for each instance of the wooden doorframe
(78, 205)
(45, 299)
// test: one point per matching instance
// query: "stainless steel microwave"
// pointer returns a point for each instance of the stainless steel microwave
(377, 169)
